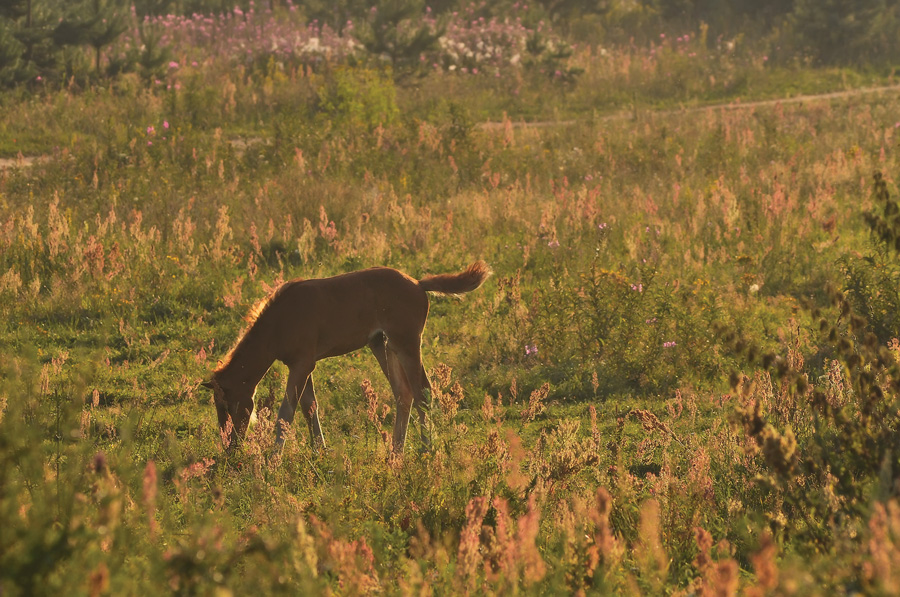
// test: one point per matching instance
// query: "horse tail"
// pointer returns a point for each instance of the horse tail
(456, 284)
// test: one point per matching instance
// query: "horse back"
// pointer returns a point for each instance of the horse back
(332, 316)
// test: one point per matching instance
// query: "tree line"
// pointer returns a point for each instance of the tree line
(57, 39)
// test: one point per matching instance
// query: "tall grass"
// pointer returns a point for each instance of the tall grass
(586, 436)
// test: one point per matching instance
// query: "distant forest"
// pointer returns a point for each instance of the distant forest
(47, 40)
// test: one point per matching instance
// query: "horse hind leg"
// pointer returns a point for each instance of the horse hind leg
(410, 360)
(403, 395)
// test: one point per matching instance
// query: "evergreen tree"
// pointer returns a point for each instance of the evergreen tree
(847, 31)
(11, 51)
(94, 23)
(26, 49)
(390, 35)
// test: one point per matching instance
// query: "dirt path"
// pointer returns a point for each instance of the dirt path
(21, 161)
(733, 105)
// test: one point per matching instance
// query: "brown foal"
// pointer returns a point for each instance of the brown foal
(304, 321)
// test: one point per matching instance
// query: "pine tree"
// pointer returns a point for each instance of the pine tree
(390, 35)
(95, 23)
(846, 31)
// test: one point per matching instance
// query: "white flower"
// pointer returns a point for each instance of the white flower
(313, 46)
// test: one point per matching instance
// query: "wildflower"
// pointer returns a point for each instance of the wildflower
(553, 243)
(671, 344)
(150, 130)
(173, 64)
(530, 349)
(150, 488)
(639, 287)
(98, 464)
(39, 78)
(603, 226)
(165, 124)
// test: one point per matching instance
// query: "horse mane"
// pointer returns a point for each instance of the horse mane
(256, 311)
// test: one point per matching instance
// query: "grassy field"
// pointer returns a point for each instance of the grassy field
(681, 379)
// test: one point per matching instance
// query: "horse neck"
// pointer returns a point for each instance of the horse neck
(251, 358)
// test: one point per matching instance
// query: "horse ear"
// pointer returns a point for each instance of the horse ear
(208, 384)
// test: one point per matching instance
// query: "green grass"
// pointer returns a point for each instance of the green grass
(126, 268)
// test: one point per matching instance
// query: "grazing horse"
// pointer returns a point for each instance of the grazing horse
(307, 320)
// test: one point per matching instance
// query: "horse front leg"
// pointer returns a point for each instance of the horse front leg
(299, 390)
(311, 411)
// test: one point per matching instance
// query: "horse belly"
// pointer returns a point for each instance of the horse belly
(345, 333)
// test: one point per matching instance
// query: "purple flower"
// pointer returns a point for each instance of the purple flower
(530, 349)
(669, 344)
